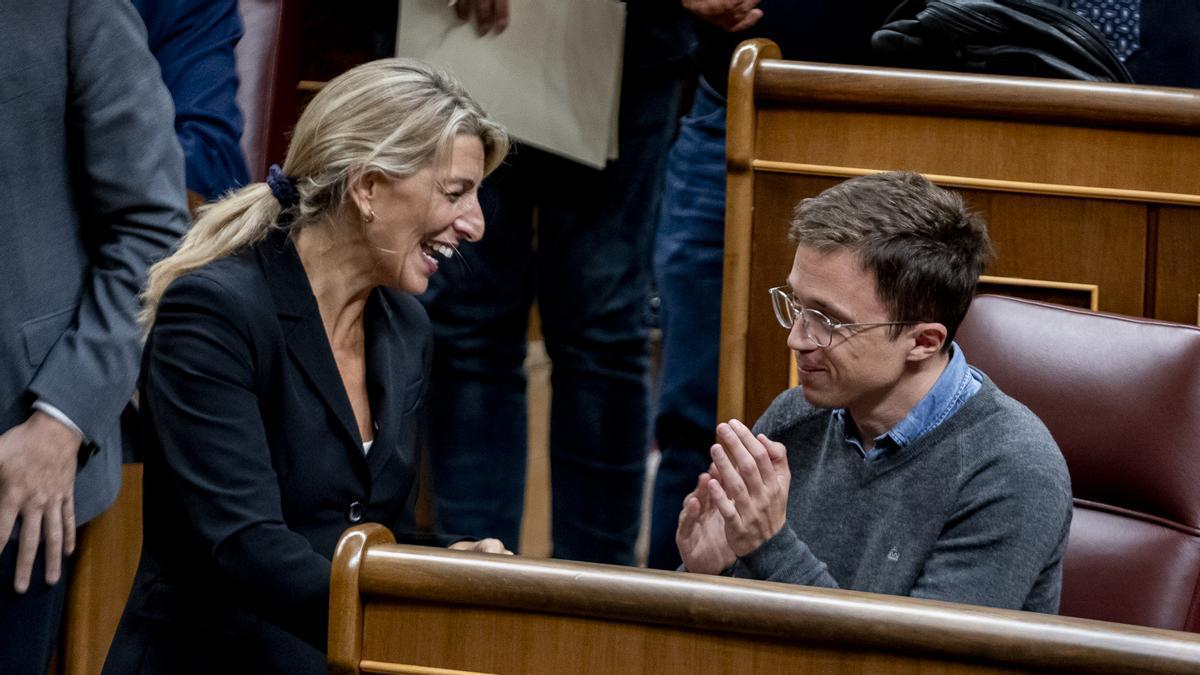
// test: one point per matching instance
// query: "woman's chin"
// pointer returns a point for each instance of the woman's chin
(413, 278)
(413, 285)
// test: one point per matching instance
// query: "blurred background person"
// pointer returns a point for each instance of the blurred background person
(577, 240)
(1157, 40)
(193, 42)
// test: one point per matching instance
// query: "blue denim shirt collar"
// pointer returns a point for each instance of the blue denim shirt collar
(958, 382)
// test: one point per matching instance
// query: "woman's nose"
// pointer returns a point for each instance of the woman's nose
(470, 223)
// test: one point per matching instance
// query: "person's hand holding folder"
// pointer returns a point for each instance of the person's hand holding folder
(489, 14)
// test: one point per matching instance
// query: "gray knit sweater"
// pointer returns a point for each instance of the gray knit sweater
(976, 511)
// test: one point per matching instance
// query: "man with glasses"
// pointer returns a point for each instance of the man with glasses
(895, 467)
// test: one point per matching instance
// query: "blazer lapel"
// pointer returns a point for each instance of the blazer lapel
(303, 330)
(386, 381)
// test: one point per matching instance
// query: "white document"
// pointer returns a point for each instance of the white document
(552, 77)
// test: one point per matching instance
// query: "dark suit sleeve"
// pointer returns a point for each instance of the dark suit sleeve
(199, 389)
(128, 170)
(194, 43)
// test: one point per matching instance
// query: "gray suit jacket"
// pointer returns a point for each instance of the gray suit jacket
(91, 193)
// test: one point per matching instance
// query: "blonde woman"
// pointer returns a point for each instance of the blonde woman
(285, 367)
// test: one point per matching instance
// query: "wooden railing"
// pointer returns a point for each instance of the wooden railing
(407, 609)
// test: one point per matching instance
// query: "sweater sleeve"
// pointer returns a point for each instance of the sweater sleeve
(130, 190)
(784, 558)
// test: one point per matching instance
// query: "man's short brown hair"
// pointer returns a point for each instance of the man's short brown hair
(925, 247)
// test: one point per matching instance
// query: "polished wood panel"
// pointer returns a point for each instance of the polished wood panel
(1084, 296)
(1070, 240)
(1020, 187)
(345, 599)
(106, 560)
(1178, 273)
(498, 641)
(979, 148)
(775, 196)
(435, 608)
(739, 212)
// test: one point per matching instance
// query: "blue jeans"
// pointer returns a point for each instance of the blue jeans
(578, 241)
(688, 254)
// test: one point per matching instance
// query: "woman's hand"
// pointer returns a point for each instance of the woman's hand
(481, 546)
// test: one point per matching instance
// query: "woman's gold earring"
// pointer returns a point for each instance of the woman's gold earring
(369, 216)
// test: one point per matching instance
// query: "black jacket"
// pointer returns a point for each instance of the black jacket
(254, 465)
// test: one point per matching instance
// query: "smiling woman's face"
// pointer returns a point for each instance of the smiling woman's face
(420, 219)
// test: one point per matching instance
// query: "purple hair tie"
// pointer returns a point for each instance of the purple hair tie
(282, 187)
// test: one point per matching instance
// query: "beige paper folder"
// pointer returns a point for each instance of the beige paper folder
(552, 78)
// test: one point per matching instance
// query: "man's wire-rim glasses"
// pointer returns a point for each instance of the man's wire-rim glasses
(817, 327)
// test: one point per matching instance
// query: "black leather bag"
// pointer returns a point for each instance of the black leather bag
(1006, 37)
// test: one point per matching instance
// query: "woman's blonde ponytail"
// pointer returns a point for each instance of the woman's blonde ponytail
(241, 219)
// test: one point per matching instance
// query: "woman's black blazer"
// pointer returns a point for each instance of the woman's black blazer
(254, 465)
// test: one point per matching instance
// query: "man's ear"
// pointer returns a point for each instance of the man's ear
(928, 339)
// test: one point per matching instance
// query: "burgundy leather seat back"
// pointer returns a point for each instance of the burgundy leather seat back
(1121, 396)
(267, 66)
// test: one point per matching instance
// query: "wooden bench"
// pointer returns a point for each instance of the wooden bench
(408, 609)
